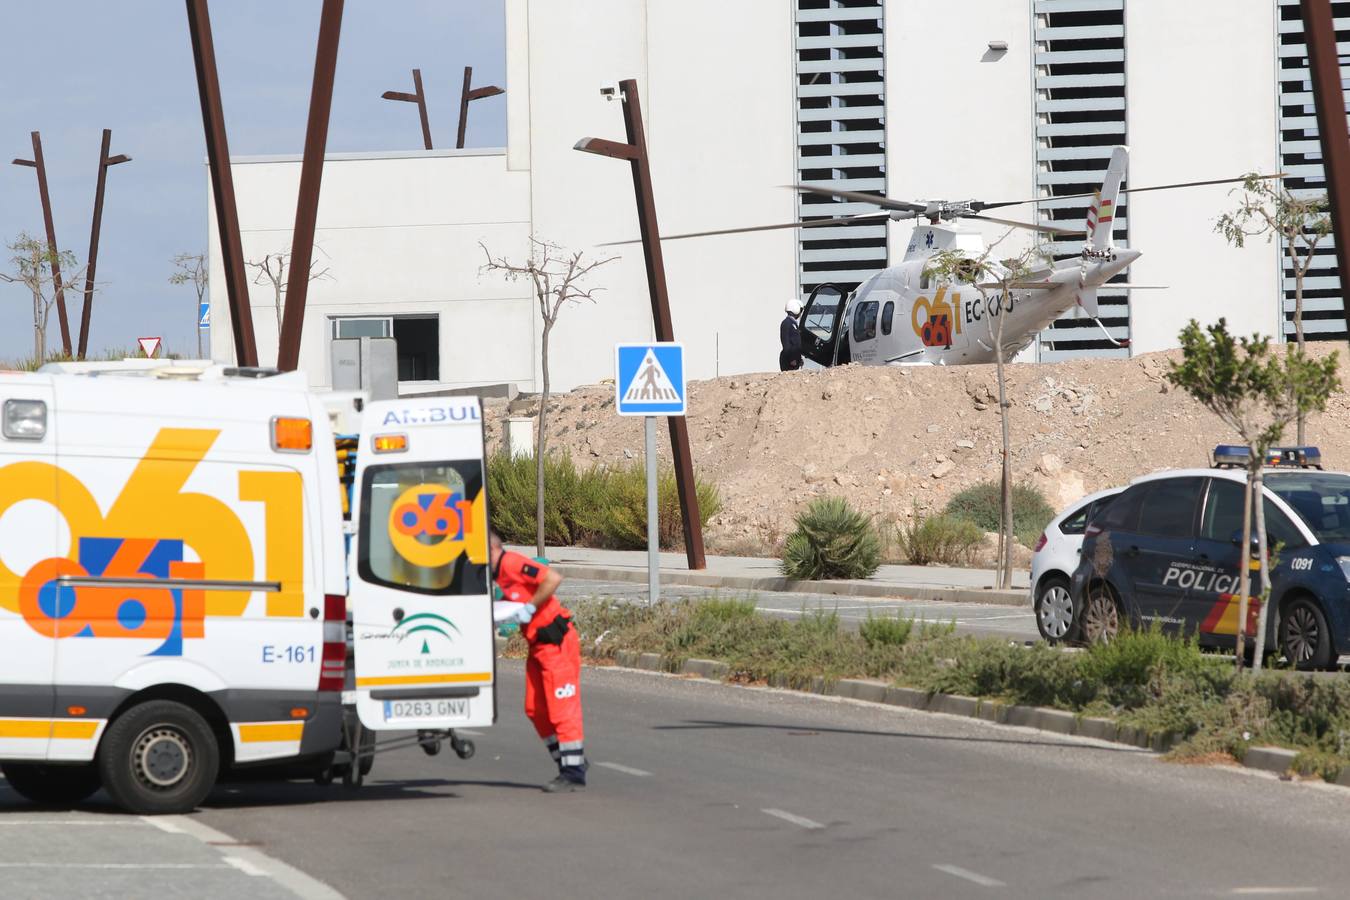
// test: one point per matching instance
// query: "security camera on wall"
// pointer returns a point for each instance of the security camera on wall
(609, 90)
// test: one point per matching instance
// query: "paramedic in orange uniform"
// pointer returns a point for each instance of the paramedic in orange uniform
(553, 667)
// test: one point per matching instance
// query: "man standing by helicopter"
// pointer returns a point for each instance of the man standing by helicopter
(790, 357)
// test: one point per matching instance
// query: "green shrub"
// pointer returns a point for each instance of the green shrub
(980, 504)
(885, 630)
(831, 540)
(598, 507)
(939, 539)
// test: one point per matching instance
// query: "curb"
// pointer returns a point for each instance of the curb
(873, 589)
(1278, 760)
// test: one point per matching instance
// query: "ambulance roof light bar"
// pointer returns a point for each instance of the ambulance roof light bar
(1235, 456)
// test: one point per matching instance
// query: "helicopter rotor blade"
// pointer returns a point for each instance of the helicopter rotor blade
(980, 206)
(859, 197)
(813, 223)
(1048, 229)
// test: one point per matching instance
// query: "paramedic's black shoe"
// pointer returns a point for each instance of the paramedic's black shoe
(561, 785)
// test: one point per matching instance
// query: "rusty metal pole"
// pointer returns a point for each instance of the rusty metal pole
(222, 182)
(311, 175)
(466, 96)
(1324, 69)
(418, 97)
(104, 161)
(37, 163)
(464, 107)
(665, 331)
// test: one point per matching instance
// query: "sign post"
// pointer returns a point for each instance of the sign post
(649, 382)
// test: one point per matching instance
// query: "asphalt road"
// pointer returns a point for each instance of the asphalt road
(1013, 622)
(702, 789)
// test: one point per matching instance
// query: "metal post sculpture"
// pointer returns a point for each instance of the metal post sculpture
(222, 182)
(311, 174)
(420, 98)
(635, 151)
(104, 161)
(1319, 31)
(466, 95)
(37, 163)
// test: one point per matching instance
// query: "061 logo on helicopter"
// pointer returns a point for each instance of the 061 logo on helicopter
(933, 321)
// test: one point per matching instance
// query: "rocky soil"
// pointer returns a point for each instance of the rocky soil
(895, 440)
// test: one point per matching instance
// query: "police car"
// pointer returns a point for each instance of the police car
(1168, 550)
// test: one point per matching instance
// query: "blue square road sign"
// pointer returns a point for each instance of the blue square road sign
(649, 379)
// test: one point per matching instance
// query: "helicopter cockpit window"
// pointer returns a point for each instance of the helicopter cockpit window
(821, 313)
(887, 316)
(924, 282)
(865, 321)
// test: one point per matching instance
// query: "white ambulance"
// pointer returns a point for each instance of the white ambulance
(174, 577)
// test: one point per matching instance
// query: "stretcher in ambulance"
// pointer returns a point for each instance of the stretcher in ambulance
(174, 580)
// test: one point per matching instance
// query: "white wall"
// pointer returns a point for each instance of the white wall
(718, 110)
(960, 118)
(399, 234)
(1200, 77)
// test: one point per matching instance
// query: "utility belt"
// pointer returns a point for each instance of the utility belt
(553, 632)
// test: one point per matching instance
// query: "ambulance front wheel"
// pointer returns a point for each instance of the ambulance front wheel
(159, 757)
(51, 785)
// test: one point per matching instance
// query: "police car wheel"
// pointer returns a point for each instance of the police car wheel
(1304, 638)
(51, 785)
(1054, 610)
(1099, 620)
(159, 757)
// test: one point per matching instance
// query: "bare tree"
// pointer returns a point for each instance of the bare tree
(1269, 208)
(273, 269)
(32, 267)
(191, 269)
(555, 275)
(994, 281)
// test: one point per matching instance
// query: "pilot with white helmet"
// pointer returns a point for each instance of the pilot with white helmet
(790, 357)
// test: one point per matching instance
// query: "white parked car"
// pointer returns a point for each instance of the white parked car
(1054, 559)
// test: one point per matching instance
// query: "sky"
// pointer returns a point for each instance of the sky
(70, 68)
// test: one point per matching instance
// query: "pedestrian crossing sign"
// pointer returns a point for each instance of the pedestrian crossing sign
(649, 379)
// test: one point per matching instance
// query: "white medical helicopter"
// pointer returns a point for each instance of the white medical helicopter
(902, 316)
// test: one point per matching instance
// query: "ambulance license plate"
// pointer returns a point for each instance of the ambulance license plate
(401, 710)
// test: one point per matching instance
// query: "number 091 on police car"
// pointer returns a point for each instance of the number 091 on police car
(399, 710)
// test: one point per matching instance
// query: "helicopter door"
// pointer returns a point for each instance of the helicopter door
(821, 320)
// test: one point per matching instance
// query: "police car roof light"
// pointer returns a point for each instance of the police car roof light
(1236, 456)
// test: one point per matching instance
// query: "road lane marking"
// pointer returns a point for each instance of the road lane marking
(800, 821)
(302, 885)
(245, 866)
(627, 770)
(974, 877)
(1250, 891)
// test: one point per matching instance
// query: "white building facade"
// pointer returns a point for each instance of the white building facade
(919, 99)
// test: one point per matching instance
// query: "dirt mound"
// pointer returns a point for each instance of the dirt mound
(896, 439)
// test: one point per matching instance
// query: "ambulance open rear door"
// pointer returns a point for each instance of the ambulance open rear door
(421, 607)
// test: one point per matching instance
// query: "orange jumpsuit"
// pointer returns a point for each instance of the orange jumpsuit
(553, 667)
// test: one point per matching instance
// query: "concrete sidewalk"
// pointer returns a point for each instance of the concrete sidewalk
(744, 573)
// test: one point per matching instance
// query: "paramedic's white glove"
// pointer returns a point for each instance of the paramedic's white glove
(525, 613)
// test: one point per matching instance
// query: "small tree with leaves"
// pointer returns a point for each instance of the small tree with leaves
(1257, 393)
(274, 270)
(555, 276)
(190, 268)
(1267, 208)
(993, 281)
(31, 266)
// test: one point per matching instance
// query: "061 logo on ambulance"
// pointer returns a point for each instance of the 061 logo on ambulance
(143, 536)
(430, 525)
